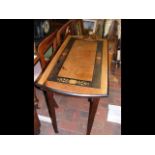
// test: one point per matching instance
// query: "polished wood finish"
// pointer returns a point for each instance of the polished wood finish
(47, 71)
(76, 66)
(51, 106)
(92, 111)
(70, 28)
(48, 42)
(74, 89)
(92, 53)
(63, 32)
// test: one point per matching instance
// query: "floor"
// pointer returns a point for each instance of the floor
(72, 113)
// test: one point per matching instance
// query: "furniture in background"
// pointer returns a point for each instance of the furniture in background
(89, 26)
(37, 67)
(100, 28)
(118, 55)
(48, 46)
(118, 58)
(108, 23)
(78, 27)
(44, 27)
(79, 68)
(94, 28)
(72, 27)
(112, 37)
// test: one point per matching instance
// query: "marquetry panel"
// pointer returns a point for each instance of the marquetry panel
(80, 67)
(80, 61)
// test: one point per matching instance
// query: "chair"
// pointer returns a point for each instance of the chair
(72, 27)
(47, 49)
(77, 27)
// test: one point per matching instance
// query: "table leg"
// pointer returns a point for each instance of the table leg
(90, 108)
(51, 106)
(89, 99)
(92, 111)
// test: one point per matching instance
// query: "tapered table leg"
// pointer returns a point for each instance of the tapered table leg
(90, 108)
(92, 111)
(51, 106)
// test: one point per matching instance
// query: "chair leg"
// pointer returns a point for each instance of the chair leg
(36, 100)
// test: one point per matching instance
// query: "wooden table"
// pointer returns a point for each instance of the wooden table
(79, 68)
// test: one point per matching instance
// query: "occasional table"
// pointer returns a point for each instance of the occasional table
(79, 68)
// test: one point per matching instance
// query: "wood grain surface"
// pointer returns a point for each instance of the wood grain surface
(80, 61)
(79, 64)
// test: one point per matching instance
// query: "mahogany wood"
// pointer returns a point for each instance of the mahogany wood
(76, 66)
(92, 111)
(48, 42)
(76, 90)
(51, 107)
(92, 92)
(70, 28)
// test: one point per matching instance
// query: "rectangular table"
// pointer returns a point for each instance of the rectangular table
(79, 68)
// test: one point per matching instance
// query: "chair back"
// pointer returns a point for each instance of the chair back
(72, 27)
(47, 49)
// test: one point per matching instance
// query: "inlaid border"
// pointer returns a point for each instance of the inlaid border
(95, 83)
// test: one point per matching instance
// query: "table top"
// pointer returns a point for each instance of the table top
(79, 68)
